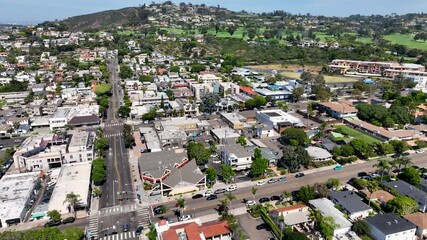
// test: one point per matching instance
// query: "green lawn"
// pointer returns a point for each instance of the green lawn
(223, 34)
(406, 40)
(356, 134)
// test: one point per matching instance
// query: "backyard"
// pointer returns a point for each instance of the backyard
(356, 134)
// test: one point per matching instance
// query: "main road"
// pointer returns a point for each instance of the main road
(201, 206)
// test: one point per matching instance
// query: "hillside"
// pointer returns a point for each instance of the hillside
(110, 18)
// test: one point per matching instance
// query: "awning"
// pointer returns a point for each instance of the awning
(38, 215)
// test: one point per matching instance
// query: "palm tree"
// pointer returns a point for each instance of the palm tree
(371, 187)
(254, 190)
(403, 161)
(163, 209)
(97, 192)
(286, 195)
(383, 166)
(73, 200)
(230, 197)
(181, 203)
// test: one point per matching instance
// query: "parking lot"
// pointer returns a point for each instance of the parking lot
(249, 224)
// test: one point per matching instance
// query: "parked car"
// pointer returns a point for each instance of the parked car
(272, 180)
(250, 203)
(362, 174)
(52, 223)
(208, 193)
(221, 190)
(68, 220)
(338, 168)
(260, 183)
(420, 151)
(212, 197)
(197, 196)
(158, 209)
(275, 198)
(282, 179)
(232, 188)
(139, 230)
(299, 175)
(405, 154)
(184, 218)
(261, 226)
(264, 199)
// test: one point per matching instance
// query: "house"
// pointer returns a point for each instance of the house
(341, 109)
(292, 215)
(327, 209)
(407, 189)
(389, 226)
(351, 204)
(420, 220)
(237, 156)
(193, 230)
(318, 154)
(379, 196)
(381, 133)
(276, 118)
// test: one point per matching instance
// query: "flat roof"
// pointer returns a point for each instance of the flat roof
(15, 190)
(156, 163)
(318, 153)
(79, 138)
(73, 178)
(151, 139)
(224, 133)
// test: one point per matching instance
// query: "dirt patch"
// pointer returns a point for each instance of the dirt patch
(288, 67)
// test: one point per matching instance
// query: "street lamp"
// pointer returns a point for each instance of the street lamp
(114, 192)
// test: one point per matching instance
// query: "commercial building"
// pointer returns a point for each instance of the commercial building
(237, 156)
(64, 115)
(183, 124)
(274, 95)
(224, 135)
(275, 118)
(389, 226)
(150, 138)
(17, 191)
(234, 120)
(73, 178)
(327, 209)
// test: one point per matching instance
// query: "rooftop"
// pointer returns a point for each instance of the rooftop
(407, 189)
(349, 201)
(156, 163)
(225, 133)
(238, 150)
(381, 195)
(382, 131)
(419, 219)
(327, 208)
(151, 139)
(340, 107)
(389, 223)
(318, 153)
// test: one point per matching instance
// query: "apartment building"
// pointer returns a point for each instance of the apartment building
(345, 66)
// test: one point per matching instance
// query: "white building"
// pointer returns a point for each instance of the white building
(63, 115)
(237, 156)
(389, 226)
(273, 117)
(17, 191)
(208, 78)
(327, 209)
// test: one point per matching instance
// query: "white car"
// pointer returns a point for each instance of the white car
(184, 218)
(232, 188)
(216, 161)
(260, 183)
(250, 203)
(208, 193)
(420, 151)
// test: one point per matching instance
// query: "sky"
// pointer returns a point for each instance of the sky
(35, 11)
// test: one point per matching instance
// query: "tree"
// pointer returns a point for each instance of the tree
(128, 136)
(241, 140)
(73, 200)
(403, 161)
(382, 166)
(102, 89)
(259, 164)
(152, 234)
(321, 190)
(306, 193)
(295, 137)
(98, 171)
(411, 176)
(210, 176)
(294, 157)
(209, 102)
(198, 152)
(306, 76)
(360, 227)
(175, 69)
(227, 172)
(256, 102)
(253, 191)
(54, 215)
(297, 92)
(251, 33)
(124, 111)
(333, 183)
(399, 146)
(125, 71)
(180, 202)
(97, 192)
(230, 197)
(402, 205)
(101, 144)
(231, 29)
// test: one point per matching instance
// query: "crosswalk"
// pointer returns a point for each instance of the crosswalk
(93, 226)
(117, 209)
(121, 236)
(113, 124)
(113, 135)
(143, 216)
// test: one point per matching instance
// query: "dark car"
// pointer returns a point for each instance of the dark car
(362, 174)
(212, 197)
(139, 230)
(299, 175)
(221, 190)
(158, 209)
(52, 223)
(264, 199)
(197, 196)
(405, 154)
(275, 198)
(125, 227)
(68, 220)
(261, 226)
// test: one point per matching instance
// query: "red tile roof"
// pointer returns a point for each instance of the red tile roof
(213, 229)
(289, 208)
(193, 230)
(248, 90)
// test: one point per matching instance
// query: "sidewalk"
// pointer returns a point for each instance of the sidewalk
(215, 216)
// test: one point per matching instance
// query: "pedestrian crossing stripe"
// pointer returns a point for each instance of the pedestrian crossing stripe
(113, 135)
(120, 236)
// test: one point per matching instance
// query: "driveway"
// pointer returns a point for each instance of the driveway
(249, 226)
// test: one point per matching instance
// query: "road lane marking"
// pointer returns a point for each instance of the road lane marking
(115, 165)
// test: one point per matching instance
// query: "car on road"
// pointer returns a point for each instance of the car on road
(232, 188)
(208, 193)
(405, 154)
(221, 190)
(261, 226)
(264, 199)
(212, 197)
(139, 230)
(420, 151)
(250, 203)
(338, 168)
(197, 196)
(53, 223)
(275, 198)
(125, 227)
(260, 183)
(282, 179)
(184, 218)
(68, 220)
(272, 180)
(158, 209)
(299, 175)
